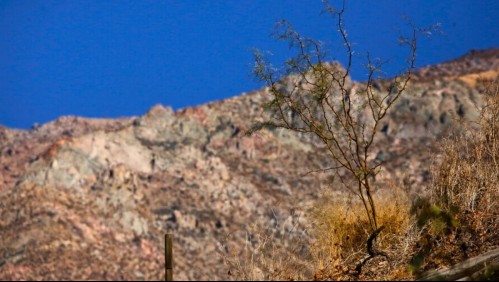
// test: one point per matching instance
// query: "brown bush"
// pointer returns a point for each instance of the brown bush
(460, 217)
(340, 228)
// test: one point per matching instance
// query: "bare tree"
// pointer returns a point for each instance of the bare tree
(311, 95)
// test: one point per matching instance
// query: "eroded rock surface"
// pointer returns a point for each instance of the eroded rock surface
(92, 199)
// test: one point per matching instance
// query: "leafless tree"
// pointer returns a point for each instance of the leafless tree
(311, 95)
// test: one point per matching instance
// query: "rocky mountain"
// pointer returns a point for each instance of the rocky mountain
(92, 198)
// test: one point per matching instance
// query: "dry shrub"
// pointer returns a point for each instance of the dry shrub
(333, 244)
(469, 170)
(269, 254)
(460, 217)
(341, 228)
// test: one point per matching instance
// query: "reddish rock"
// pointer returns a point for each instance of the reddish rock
(92, 198)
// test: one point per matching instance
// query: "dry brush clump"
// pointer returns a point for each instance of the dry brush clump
(460, 216)
(269, 254)
(331, 245)
(339, 232)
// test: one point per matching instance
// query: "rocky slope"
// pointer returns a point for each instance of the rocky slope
(92, 199)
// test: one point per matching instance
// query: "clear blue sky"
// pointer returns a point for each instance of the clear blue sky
(119, 58)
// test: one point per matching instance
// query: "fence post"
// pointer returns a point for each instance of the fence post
(168, 257)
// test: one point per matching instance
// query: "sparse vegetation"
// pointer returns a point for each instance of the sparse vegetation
(382, 236)
(459, 218)
(316, 98)
(265, 257)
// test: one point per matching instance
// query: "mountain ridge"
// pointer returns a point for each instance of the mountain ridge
(92, 198)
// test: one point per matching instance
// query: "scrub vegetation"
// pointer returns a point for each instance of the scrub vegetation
(368, 235)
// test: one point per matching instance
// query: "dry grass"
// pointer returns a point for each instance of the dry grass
(460, 218)
(269, 254)
(335, 242)
(469, 171)
(341, 229)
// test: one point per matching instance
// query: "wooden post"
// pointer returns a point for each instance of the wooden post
(168, 257)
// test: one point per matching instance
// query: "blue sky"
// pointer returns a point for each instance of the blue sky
(119, 58)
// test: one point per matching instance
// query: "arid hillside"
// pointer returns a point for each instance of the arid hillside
(92, 198)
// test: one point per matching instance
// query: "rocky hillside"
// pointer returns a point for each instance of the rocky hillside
(92, 198)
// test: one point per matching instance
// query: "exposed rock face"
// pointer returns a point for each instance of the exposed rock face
(92, 199)
(472, 64)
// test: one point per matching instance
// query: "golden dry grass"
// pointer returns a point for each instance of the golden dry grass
(341, 229)
(460, 217)
(269, 254)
